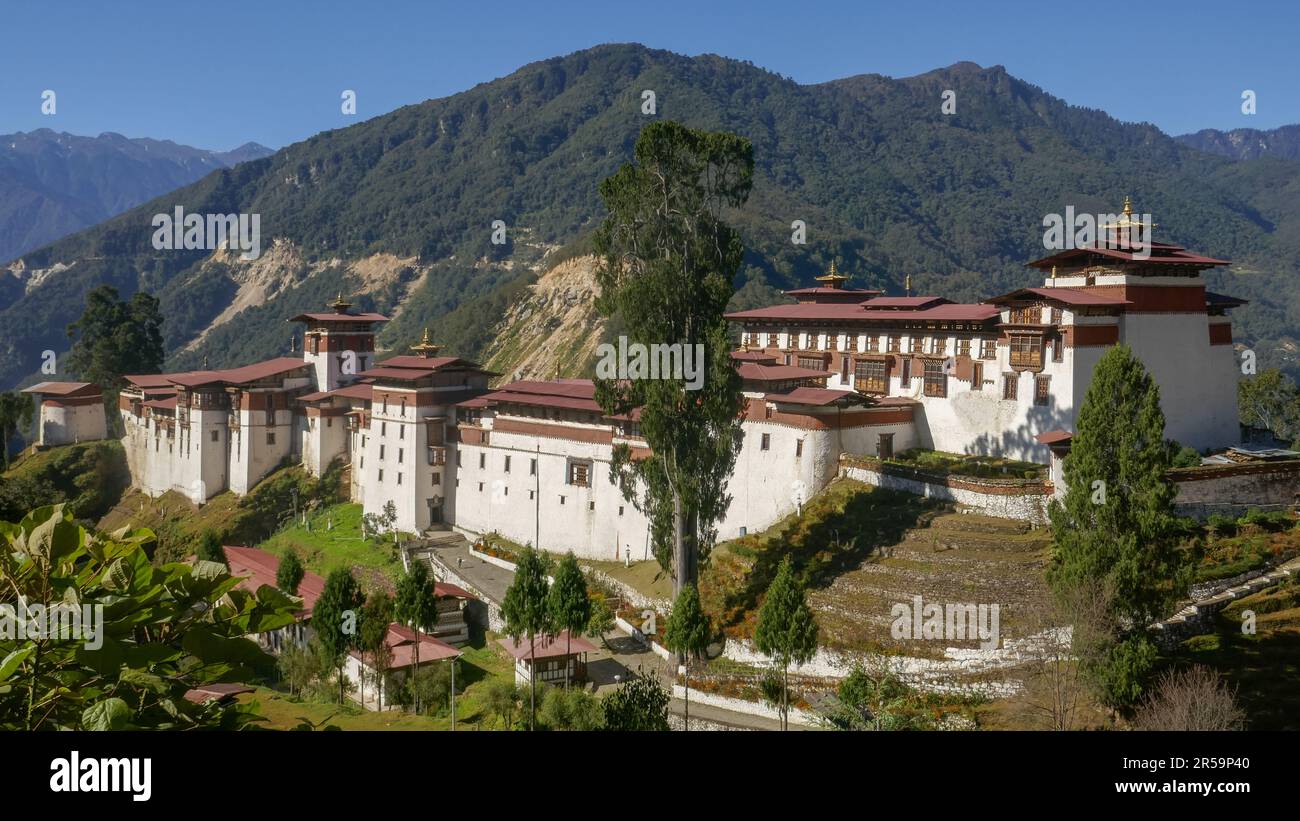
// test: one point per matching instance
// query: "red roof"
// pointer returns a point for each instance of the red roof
(333, 316)
(753, 356)
(1223, 300)
(772, 373)
(1160, 253)
(64, 388)
(259, 568)
(904, 302)
(162, 404)
(573, 394)
(544, 647)
(1070, 296)
(449, 589)
(229, 376)
(401, 641)
(809, 311)
(1053, 437)
(399, 374)
(816, 397)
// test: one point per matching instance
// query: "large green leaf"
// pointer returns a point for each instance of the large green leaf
(109, 714)
(13, 660)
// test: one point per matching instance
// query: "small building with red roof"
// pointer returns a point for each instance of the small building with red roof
(553, 657)
(68, 413)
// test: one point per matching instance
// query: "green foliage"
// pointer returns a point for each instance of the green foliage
(786, 630)
(164, 630)
(640, 705)
(210, 549)
(669, 264)
(1184, 456)
(526, 610)
(570, 709)
(302, 666)
(15, 415)
(1120, 675)
(879, 700)
(336, 619)
(290, 572)
(1115, 525)
(89, 478)
(430, 692)
(115, 337)
(688, 633)
(1270, 400)
(568, 601)
(504, 700)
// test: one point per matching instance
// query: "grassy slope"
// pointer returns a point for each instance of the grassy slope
(323, 549)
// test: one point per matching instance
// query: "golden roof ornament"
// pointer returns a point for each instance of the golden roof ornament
(907, 286)
(1053, 272)
(833, 278)
(1125, 225)
(339, 305)
(424, 347)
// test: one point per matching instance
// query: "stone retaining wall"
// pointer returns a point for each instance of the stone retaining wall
(1022, 499)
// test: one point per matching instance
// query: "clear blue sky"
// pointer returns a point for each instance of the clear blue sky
(218, 74)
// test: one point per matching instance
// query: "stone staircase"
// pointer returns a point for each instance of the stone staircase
(1198, 617)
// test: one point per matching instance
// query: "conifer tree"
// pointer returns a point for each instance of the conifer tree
(336, 617)
(786, 629)
(569, 603)
(526, 613)
(687, 635)
(416, 604)
(290, 572)
(1114, 530)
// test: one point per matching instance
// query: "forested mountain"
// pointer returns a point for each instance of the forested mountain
(399, 209)
(52, 183)
(1247, 143)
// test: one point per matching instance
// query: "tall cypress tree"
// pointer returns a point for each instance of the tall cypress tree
(526, 613)
(669, 264)
(336, 618)
(1115, 526)
(569, 603)
(786, 629)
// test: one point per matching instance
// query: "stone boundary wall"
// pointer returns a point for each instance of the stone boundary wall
(1232, 490)
(1022, 499)
(740, 705)
(635, 597)
(485, 612)
(635, 632)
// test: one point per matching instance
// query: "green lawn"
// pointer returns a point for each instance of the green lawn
(647, 578)
(478, 666)
(332, 539)
(959, 464)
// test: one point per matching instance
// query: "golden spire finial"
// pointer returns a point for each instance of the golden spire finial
(907, 286)
(340, 305)
(833, 278)
(1128, 206)
(424, 347)
(1053, 272)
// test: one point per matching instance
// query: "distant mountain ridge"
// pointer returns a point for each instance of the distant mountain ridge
(54, 183)
(1247, 143)
(398, 210)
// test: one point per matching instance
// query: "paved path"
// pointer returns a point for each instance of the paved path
(615, 657)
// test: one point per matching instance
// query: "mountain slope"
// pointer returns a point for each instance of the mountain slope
(1247, 143)
(886, 183)
(52, 183)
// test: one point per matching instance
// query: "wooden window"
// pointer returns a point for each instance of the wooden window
(988, 349)
(832, 341)
(905, 373)
(873, 343)
(871, 376)
(851, 341)
(977, 376)
(885, 446)
(579, 473)
(798, 448)
(482, 460)
(1027, 316)
(812, 363)
(1027, 350)
(936, 381)
(917, 344)
(1056, 316)
(532, 467)
(766, 442)
(963, 347)
(844, 369)
(895, 344)
(507, 463)
(437, 478)
(1042, 394)
(1058, 349)
(1009, 383)
(939, 345)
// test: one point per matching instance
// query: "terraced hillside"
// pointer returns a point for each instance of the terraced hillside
(948, 558)
(864, 549)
